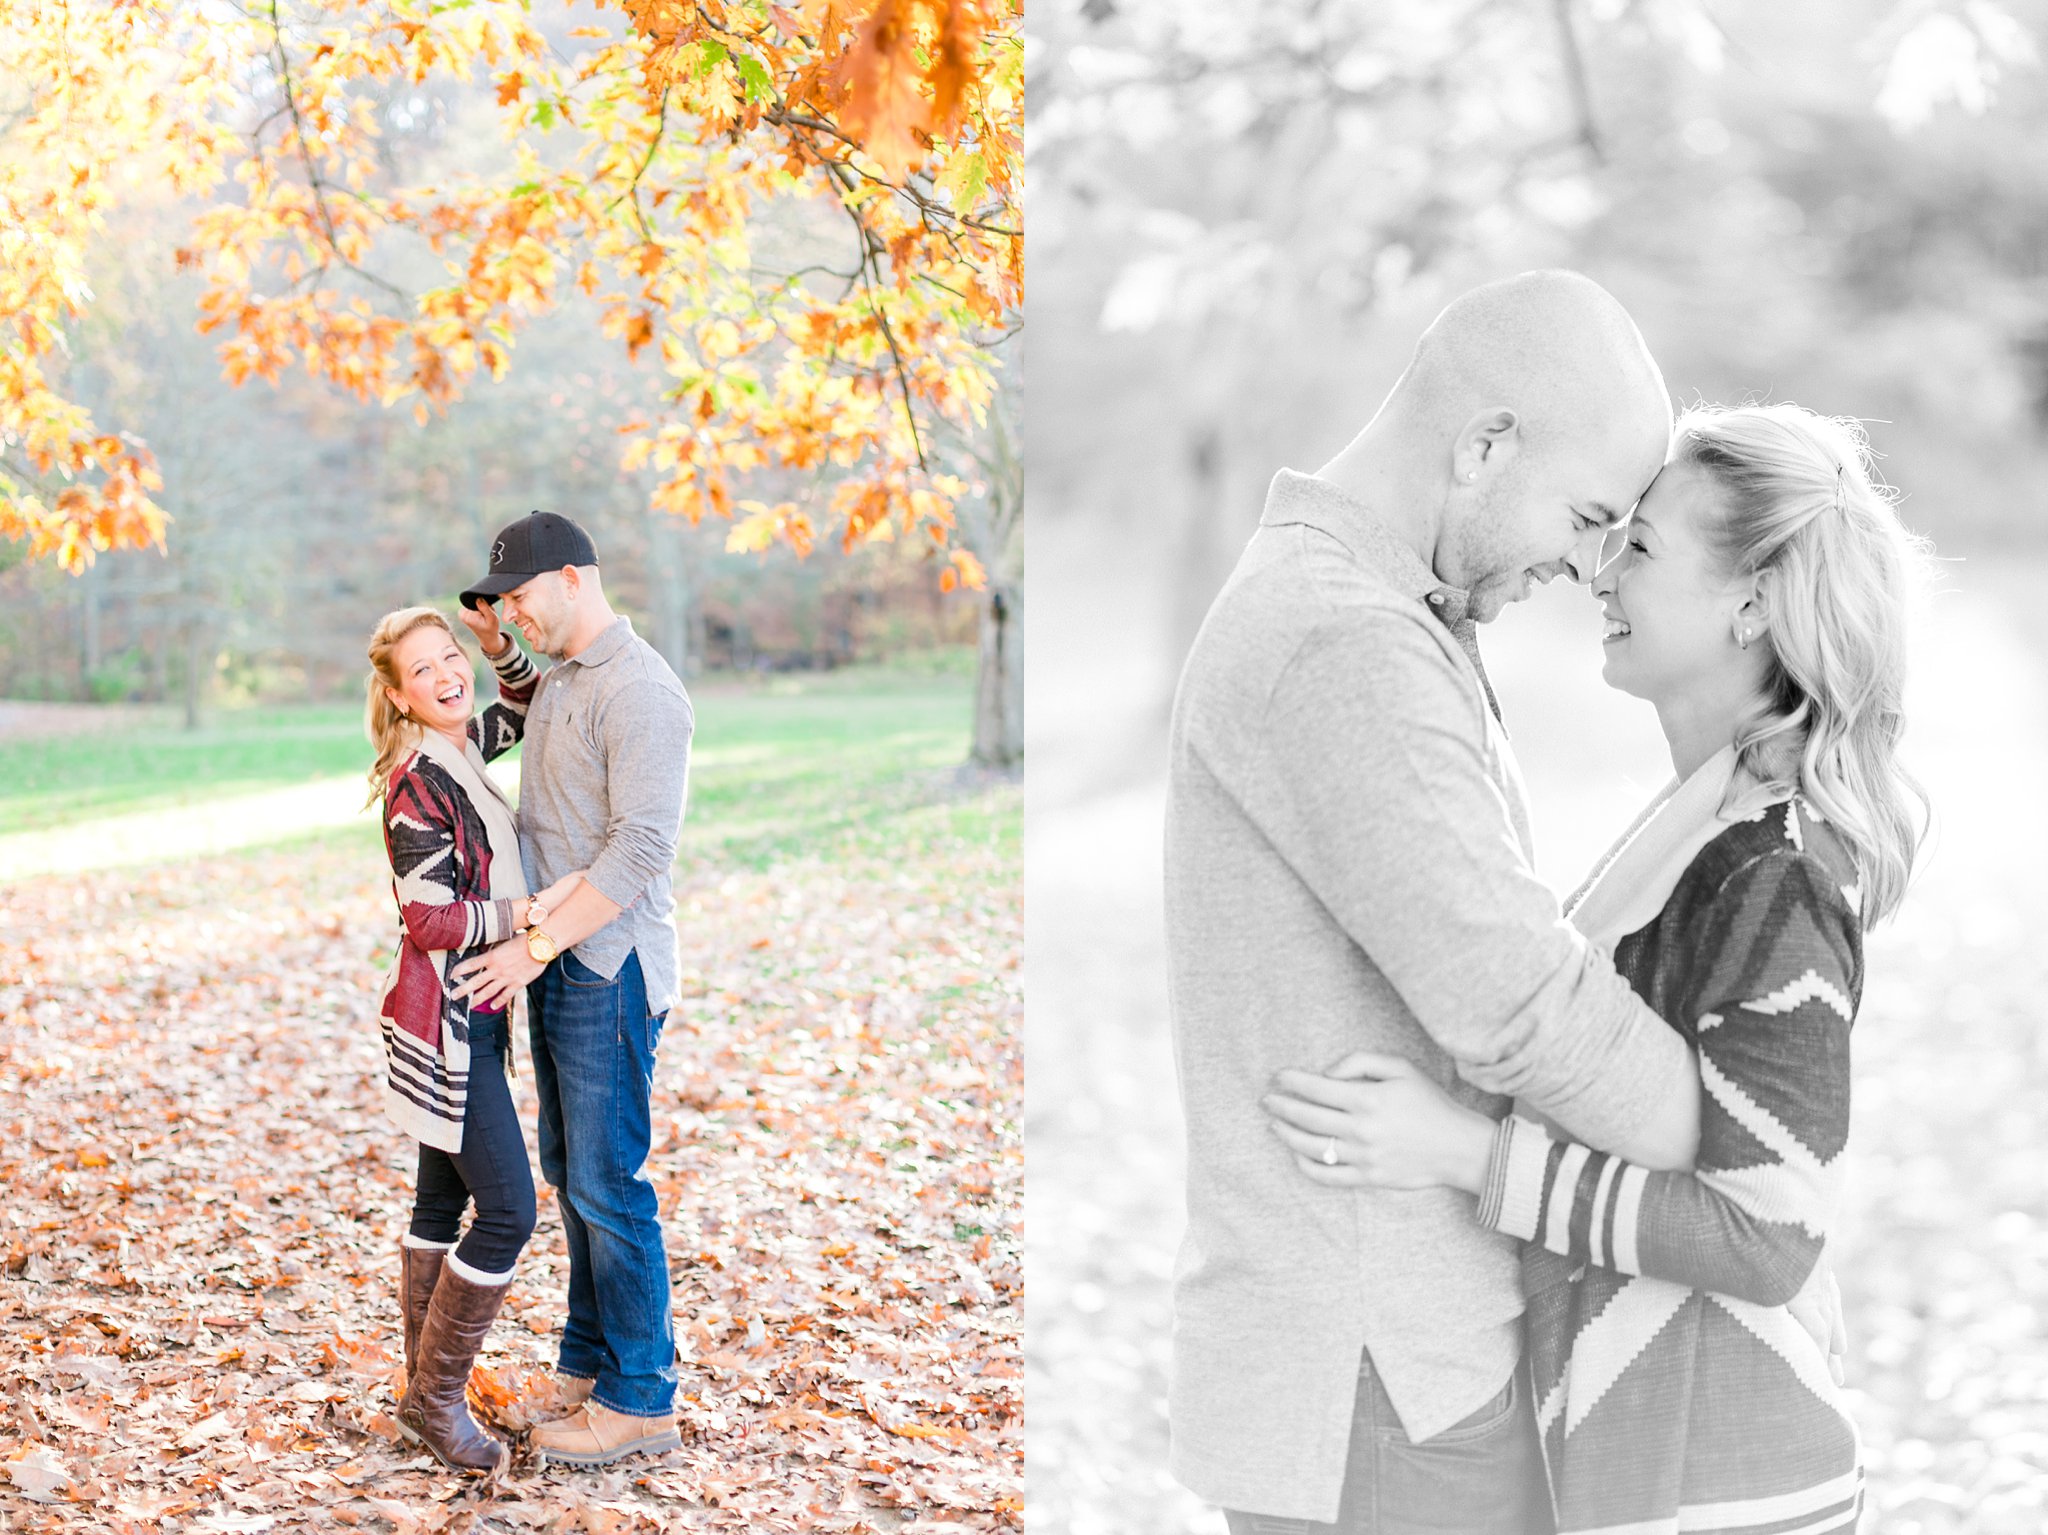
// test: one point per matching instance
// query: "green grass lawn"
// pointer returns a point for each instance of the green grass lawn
(860, 764)
(859, 760)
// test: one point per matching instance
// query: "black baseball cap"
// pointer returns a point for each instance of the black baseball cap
(537, 542)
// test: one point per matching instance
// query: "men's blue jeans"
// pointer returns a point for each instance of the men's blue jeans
(593, 1066)
(1483, 1476)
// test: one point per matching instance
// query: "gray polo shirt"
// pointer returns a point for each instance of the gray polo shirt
(602, 781)
(1348, 868)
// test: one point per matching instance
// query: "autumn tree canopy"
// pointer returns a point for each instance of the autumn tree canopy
(638, 159)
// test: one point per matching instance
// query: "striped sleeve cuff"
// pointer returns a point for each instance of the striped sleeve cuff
(1513, 1199)
(489, 922)
(1565, 1197)
(515, 667)
(497, 921)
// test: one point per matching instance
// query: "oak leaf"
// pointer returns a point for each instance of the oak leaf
(39, 1475)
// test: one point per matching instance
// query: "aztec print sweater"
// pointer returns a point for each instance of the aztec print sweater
(1673, 1389)
(446, 828)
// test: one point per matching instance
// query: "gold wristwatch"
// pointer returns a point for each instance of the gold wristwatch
(540, 945)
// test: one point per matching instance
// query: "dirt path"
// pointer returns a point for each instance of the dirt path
(22, 720)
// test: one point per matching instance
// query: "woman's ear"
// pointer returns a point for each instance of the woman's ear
(1750, 619)
(397, 702)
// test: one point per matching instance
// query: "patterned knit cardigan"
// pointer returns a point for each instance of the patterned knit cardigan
(441, 856)
(1673, 1389)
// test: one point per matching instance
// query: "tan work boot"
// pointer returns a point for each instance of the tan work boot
(571, 1391)
(594, 1435)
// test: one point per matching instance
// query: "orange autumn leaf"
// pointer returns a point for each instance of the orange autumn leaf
(968, 570)
(952, 62)
(884, 105)
(639, 331)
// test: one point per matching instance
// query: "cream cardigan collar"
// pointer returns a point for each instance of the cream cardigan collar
(501, 823)
(1635, 878)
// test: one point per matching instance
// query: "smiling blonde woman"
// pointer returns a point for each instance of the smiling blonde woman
(456, 875)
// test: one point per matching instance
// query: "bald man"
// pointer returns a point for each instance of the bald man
(1348, 868)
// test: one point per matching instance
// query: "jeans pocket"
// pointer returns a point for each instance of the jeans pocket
(581, 976)
(1487, 1419)
(1479, 1477)
(1241, 1523)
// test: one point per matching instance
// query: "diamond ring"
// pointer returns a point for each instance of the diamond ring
(1330, 1153)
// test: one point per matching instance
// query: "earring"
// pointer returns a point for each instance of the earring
(1471, 474)
(1744, 640)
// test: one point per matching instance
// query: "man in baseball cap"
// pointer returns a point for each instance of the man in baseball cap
(536, 543)
(602, 786)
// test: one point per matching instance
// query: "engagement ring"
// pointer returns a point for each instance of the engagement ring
(1330, 1153)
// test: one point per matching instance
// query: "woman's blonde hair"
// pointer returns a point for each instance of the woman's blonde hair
(1804, 510)
(392, 733)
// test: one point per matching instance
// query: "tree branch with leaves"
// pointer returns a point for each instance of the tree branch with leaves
(643, 153)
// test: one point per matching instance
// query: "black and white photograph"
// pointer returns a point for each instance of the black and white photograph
(1536, 702)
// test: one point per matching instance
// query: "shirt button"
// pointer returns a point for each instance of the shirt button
(1436, 599)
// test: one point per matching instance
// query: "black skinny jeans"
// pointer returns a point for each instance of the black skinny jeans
(490, 1169)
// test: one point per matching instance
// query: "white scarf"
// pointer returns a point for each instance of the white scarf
(501, 824)
(1633, 881)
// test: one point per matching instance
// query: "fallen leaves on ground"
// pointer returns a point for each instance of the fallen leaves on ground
(198, 1258)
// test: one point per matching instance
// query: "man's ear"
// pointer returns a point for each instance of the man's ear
(1486, 444)
(572, 582)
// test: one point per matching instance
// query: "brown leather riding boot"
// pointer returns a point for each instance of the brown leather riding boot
(418, 1270)
(435, 1409)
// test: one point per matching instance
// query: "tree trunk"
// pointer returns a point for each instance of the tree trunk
(1203, 560)
(697, 632)
(89, 603)
(999, 683)
(196, 668)
(669, 591)
(159, 654)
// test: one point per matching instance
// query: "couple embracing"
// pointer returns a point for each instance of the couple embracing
(568, 899)
(1504, 1217)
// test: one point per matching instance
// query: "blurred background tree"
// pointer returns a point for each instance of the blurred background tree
(741, 260)
(1241, 228)
(1242, 219)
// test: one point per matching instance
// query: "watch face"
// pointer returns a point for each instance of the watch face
(540, 946)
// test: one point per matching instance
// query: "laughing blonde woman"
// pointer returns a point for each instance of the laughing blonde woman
(456, 875)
